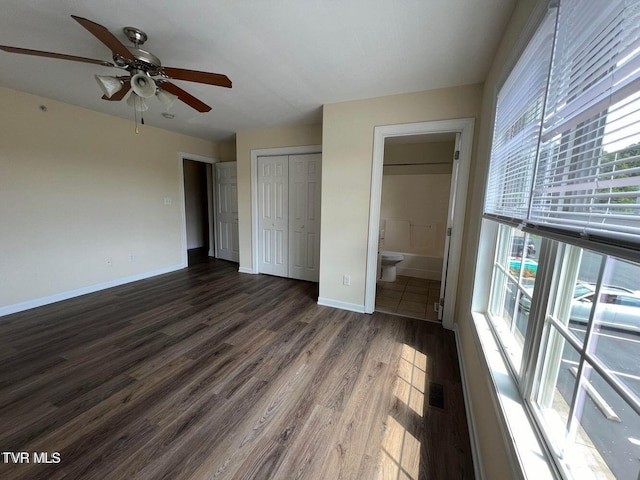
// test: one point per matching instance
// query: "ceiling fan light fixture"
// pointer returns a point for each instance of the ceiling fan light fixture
(166, 99)
(143, 85)
(137, 102)
(141, 66)
(109, 85)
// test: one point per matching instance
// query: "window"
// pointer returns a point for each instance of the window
(513, 282)
(587, 386)
(583, 387)
(562, 207)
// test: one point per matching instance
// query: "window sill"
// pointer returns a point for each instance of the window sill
(528, 457)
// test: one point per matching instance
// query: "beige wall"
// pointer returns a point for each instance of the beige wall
(227, 151)
(347, 157)
(427, 152)
(77, 187)
(423, 158)
(493, 451)
(413, 210)
(293, 136)
(415, 197)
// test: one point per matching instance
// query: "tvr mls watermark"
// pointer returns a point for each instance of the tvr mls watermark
(31, 457)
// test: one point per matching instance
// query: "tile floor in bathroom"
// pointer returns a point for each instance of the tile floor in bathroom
(411, 297)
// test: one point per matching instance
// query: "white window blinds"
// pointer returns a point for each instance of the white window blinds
(586, 175)
(517, 127)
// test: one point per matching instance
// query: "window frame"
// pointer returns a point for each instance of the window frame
(521, 369)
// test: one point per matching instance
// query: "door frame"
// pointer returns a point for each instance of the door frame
(266, 152)
(462, 126)
(182, 156)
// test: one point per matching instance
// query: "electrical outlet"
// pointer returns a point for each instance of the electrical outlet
(436, 307)
(167, 200)
(346, 280)
(131, 258)
(108, 261)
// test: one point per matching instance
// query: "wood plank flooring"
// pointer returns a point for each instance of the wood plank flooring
(206, 373)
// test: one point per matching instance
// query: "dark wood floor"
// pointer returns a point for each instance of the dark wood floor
(207, 373)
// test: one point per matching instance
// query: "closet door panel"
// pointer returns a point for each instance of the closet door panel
(304, 216)
(273, 221)
(228, 247)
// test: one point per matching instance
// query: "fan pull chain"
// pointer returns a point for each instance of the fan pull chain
(135, 115)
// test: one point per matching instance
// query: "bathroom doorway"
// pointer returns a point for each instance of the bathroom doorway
(462, 129)
(416, 187)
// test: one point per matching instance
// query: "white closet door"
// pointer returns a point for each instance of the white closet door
(304, 217)
(227, 244)
(273, 221)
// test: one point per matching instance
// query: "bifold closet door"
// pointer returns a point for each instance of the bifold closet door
(304, 216)
(273, 212)
(227, 211)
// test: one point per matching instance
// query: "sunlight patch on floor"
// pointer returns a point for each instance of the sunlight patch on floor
(401, 450)
(412, 378)
(400, 453)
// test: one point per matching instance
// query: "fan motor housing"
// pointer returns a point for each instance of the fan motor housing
(145, 61)
(146, 58)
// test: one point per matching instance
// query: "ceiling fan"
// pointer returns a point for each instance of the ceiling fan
(146, 76)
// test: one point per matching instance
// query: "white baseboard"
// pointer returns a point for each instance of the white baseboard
(38, 302)
(471, 424)
(353, 307)
(246, 270)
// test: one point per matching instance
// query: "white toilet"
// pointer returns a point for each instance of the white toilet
(389, 262)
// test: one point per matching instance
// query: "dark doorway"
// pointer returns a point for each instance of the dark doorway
(197, 210)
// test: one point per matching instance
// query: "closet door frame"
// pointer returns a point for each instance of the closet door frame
(254, 194)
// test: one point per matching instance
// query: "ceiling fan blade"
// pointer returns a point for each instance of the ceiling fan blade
(196, 76)
(60, 56)
(120, 94)
(105, 36)
(186, 97)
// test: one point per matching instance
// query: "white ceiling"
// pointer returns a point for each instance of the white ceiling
(286, 58)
